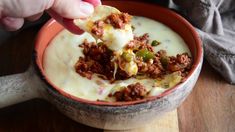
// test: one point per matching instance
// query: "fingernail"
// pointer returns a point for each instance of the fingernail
(93, 2)
(86, 8)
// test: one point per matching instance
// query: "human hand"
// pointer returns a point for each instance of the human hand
(13, 12)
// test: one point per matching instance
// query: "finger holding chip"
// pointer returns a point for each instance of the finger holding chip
(65, 12)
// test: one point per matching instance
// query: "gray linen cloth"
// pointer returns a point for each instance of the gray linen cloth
(215, 23)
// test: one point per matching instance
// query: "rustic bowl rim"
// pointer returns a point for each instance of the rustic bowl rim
(167, 92)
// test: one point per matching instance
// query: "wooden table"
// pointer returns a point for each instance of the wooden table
(209, 108)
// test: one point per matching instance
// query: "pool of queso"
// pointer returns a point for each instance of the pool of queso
(63, 52)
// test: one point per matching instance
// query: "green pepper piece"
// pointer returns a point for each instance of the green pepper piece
(155, 43)
(100, 43)
(164, 60)
(133, 28)
(145, 54)
(127, 56)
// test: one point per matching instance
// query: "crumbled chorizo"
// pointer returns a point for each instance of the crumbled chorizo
(139, 43)
(98, 28)
(82, 68)
(153, 70)
(98, 59)
(182, 62)
(184, 59)
(161, 53)
(131, 92)
(118, 20)
(96, 52)
(144, 38)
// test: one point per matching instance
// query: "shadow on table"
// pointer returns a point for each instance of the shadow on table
(38, 115)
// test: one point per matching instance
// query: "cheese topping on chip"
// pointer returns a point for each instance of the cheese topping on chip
(101, 28)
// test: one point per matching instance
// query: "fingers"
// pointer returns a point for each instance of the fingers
(34, 17)
(24, 8)
(11, 24)
(16, 10)
(66, 8)
(65, 11)
(13, 12)
(72, 8)
(67, 23)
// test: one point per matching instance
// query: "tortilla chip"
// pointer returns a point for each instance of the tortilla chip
(114, 38)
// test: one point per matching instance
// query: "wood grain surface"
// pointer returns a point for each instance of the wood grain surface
(167, 123)
(209, 108)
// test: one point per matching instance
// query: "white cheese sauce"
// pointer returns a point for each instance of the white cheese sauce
(63, 52)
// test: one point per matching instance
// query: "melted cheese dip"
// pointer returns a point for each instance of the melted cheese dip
(63, 52)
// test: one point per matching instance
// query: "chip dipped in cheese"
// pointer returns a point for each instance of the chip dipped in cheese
(114, 38)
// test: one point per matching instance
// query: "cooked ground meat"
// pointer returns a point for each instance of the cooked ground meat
(131, 92)
(153, 70)
(140, 42)
(97, 28)
(96, 52)
(118, 20)
(184, 59)
(98, 59)
(182, 62)
(86, 67)
(144, 38)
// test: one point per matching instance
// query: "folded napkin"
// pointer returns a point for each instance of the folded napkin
(215, 23)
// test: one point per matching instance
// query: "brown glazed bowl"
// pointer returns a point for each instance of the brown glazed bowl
(106, 115)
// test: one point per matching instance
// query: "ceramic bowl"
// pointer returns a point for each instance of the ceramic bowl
(107, 115)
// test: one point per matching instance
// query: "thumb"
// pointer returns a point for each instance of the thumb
(65, 11)
(72, 8)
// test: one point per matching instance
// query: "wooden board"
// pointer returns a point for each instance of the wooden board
(167, 123)
(211, 105)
